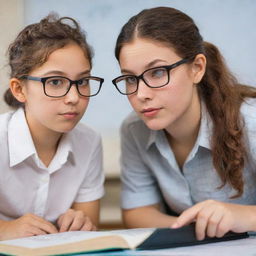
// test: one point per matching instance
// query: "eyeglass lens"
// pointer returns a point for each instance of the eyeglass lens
(156, 77)
(58, 86)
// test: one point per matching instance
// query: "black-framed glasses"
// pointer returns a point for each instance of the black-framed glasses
(59, 86)
(153, 77)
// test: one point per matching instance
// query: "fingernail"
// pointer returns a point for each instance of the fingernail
(175, 225)
(200, 238)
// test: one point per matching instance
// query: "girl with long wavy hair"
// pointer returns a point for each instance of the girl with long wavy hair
(188, 154)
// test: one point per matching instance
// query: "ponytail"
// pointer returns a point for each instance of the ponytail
(223, 96)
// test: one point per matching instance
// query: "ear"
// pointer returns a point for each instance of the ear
(17, 89)
(198, 67)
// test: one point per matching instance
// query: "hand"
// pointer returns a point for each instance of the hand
(74, 220)
(215, 218)
(27, 225)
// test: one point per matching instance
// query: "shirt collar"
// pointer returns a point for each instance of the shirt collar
(21, 145)
(152, 138)
(64, 151)
(204, 134)
(20, 142)
(205, 130)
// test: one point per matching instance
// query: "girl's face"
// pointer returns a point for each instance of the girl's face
(59, 115)
(177, 101)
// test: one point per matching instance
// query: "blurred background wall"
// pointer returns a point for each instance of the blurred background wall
(230, 24)
(11, 21)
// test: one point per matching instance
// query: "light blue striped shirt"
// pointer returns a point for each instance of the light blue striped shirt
(150, 173)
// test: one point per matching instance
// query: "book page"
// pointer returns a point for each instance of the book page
(134, 237)
(55, 239)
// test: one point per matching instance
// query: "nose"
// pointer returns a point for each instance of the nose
(144, 92)
(72, 96)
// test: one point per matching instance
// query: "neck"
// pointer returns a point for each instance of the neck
(46, 145)
(182, 134)
(45, 140)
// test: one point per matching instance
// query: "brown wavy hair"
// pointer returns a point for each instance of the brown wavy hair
(219, 89)
(37, 41)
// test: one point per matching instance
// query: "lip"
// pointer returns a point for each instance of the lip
(69, 115)
(150, 112)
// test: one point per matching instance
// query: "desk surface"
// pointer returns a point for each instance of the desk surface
(239, 247)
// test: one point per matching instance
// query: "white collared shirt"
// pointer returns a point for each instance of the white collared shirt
(28, 186)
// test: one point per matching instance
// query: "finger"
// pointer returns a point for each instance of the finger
(201, 224)
(67, 220)
(34, 231)
(88, 226)
(187, 216)
(42, 224)
(223, 227)
(46, 226)
(213, 223)
(59, 220)
(78, 221)
(207, 218)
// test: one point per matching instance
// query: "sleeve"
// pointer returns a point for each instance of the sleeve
(248, 110)
(92, 187)
(139, 187)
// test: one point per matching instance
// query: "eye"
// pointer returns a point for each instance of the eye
(157, 73)
(131, 80)
(83, 82)
(55, 82)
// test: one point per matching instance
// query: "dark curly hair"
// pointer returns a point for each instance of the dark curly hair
(36, 42)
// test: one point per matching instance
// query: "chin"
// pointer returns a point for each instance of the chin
(154, 125)
(65, 129)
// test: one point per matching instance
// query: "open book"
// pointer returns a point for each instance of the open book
(82, 241)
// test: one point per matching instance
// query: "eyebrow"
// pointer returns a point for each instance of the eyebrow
(58, 72)
(149, 65)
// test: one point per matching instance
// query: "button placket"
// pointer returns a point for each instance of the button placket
(42, 194)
